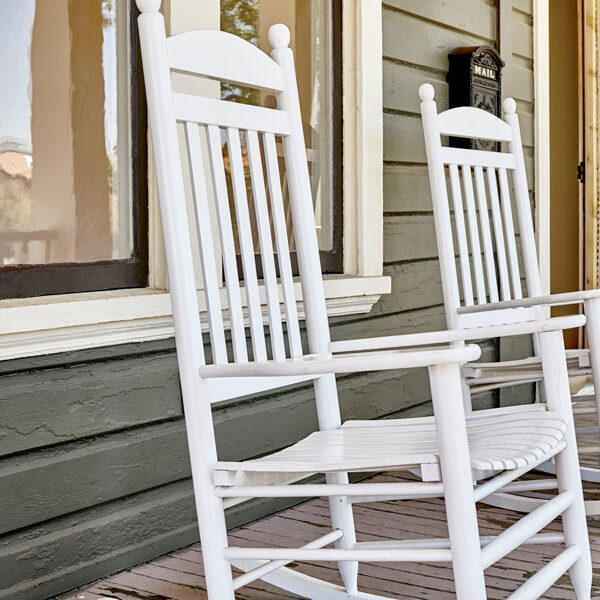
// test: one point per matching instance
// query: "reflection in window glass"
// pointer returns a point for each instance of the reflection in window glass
(310, 24)
(64, 132)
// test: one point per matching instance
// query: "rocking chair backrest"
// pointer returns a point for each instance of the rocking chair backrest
(212, 124)
(479, 183)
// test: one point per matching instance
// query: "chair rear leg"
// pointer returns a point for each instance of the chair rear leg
(457, 476)
(567, 462)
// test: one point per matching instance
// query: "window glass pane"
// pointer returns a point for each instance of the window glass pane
(64, 132)
(310, 24)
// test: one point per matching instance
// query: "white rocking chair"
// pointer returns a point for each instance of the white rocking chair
(492, 290)
(450, 451)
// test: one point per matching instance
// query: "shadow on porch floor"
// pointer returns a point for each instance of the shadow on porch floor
(178, 576)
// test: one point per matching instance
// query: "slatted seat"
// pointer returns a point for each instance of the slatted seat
(514, 440)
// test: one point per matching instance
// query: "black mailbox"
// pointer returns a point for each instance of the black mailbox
(474, 79)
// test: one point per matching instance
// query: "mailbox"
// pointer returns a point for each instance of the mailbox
(474, 79)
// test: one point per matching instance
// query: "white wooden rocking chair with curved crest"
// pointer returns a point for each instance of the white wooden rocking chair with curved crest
(490, 288)
(492, 448)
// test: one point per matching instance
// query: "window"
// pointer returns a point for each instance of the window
(73, 208)
(316, 34)
(116, 316)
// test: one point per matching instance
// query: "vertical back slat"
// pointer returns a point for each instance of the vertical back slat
(498, 233)
(474, 233)
(488, 248)
(283, 247)
(240, 196)
(463, 247)
(205, 238)
(510, 234)
(266, 245)
(236, 316)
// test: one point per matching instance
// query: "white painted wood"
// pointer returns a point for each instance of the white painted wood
(474, 234)
(238, 332)
(244, 230)
(448, 336)
(463, 248)
(484, 222)
(209, 53)
(462, 122)
(205, 239)
(465, 448)
(282, 242)
(516, 534)
(541, 83)
(362, 43)
(229, 114)
(479, 158)
(263, 222)
(537, 584)
(508, 311)
(188, 334)
(498, 233)
(348, 363)
(259, 572)
(509, 228)
(330, 554)
(552, 300)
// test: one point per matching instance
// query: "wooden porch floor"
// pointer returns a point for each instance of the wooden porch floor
(178, 576)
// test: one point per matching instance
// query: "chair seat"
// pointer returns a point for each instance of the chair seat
(499, 439)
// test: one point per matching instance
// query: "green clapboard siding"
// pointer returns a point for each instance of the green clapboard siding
(94, 469)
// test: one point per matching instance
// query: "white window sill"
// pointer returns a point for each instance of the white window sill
(50, 324)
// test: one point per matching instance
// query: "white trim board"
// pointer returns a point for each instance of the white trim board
(541, 78)
(35, 326)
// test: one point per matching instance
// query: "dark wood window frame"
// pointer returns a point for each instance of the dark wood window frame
(22, 281)
(332, 260)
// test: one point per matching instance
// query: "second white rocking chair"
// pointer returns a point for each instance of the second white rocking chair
(461, 459)
(485, 188)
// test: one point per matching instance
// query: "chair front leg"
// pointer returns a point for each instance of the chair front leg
(447, 396)
(342, 516)
(556, 376)
(592, 315)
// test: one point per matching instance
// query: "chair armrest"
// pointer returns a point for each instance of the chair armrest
(458, 335)
(551, 300)
(348, 363)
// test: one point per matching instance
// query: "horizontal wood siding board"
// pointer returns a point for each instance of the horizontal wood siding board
(525, 6)
(406, 189)
(522, 84)
(468, 16)
(62, 405)
(422, 43)
(77, 476)
(401, 87)
(41, 562)
(522, 35)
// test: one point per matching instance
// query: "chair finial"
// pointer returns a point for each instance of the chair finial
(426, 92)
(509, 106)
(148, 5)
(279, 36)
